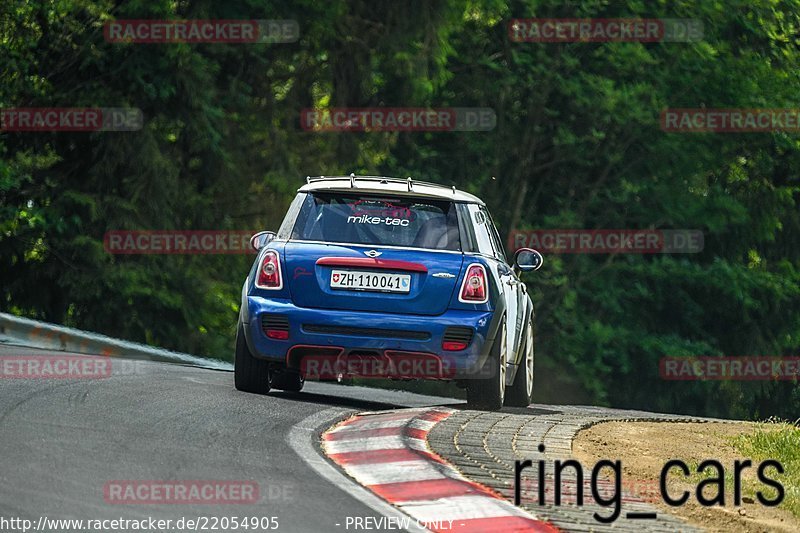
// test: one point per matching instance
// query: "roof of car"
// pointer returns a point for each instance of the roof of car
(384, 184)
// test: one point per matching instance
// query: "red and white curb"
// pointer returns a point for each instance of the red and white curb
(387, 452)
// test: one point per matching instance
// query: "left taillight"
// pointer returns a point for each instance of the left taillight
(269, 272)
(474, 288)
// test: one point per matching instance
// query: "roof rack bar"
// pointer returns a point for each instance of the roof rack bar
(352, 180)
(410, 184)
(380, 178)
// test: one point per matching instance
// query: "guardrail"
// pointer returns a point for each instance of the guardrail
(35, 334)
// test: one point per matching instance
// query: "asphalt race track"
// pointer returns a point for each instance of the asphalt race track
(64, 440)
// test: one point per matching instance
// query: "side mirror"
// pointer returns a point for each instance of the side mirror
(261, 239)
(528, 260)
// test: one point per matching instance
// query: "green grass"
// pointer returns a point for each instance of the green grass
(781, 442)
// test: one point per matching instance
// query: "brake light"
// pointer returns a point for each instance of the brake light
(277, 334)
(473, 288)
(269, 272)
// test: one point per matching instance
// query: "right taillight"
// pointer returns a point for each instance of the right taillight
(473, 288)
(269, 272)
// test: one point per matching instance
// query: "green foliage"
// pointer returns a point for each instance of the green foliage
(776, 441)
(578, 144)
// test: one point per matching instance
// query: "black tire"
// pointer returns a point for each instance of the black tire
(487, 394)
(249, 374)
(287, 380)
(520, 393)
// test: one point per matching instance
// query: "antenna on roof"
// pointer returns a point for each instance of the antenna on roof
(410, 184)
(352, 180)
(308, 179)
(454, 190)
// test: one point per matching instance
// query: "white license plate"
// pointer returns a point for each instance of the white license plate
(370, 281)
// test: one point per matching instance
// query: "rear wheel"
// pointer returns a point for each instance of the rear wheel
(520, 394)
(249, 374)
(487, 394)
(285, 379)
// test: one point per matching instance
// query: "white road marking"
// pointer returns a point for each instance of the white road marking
(461, 508)
(381, 473)
(300, 439)
(363, 424)
(390, 442)
(425, 425)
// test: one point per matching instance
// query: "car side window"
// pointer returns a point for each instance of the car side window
(285, 231)
(497, 242)
(482, 232)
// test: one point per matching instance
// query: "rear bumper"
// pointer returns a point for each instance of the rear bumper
(336, 333)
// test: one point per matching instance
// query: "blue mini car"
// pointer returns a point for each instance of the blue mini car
(391, 278)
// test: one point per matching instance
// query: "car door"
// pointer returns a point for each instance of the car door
(514, 294)
(501, 272)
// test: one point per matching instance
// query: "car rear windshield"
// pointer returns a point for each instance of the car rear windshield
(379, 221)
